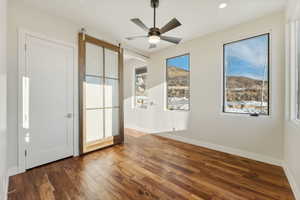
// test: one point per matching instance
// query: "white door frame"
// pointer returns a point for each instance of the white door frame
(22, 71)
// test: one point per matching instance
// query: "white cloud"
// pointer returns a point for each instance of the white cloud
(252, 50)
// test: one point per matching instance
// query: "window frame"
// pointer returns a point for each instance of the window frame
(268, 34)
(134, 87)
(297, 74)
(167, 86)
(294, 71)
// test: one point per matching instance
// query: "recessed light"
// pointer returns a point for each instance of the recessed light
(223, 5)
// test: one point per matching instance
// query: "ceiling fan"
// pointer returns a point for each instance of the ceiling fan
(155, 34)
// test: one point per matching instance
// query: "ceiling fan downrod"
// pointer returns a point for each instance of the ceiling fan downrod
(154, 5)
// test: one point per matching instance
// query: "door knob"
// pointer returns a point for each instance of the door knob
(69, 115)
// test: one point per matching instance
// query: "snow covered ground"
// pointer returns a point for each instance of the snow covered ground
(247, 107)
(178, 103)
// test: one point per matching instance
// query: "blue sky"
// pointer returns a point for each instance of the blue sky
(247, 58)
(180, 62)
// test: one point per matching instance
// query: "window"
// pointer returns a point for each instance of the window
(141, 93)
(246, 76)
(178, 83)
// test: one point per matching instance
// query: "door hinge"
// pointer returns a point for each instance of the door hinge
(25, 153)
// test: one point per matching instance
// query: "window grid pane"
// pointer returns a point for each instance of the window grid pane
(111, 122)
(111, 93)
(111, 64)
(94, 60)
(94, 92)
(94, 125)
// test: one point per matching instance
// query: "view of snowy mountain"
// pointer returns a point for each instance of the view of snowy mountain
(246, 67)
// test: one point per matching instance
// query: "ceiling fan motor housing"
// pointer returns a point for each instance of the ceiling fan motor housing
(154, 3)
(154, 31)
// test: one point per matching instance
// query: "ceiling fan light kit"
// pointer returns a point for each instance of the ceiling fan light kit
(155, 34)
(154, 39)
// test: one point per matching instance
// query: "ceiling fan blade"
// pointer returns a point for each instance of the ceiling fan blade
(152, 46)
(174, 23)
(140, 24)
(174, 40)
(135, 37)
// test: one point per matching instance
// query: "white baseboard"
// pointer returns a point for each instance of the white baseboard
(6, 187)
(238, 152)
(147, 130)
(292, 181)
(13, 171)
(10, 172)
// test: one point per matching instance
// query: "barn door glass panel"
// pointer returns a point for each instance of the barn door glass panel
(94, 93)
(111, 93)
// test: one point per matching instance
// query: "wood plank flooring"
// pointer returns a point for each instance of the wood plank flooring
(151, 167)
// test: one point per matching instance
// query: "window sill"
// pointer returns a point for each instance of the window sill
(239, 115)
(295, 122)
(137, 108)
(184, 111)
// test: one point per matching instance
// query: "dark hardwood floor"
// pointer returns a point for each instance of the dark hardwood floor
(152, 167)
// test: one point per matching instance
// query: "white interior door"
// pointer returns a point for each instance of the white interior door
(47, 101)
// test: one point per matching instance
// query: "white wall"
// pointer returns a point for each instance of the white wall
(3, 132)
(132, 116)
(130, 113)
(262, 135)
(291, 154)
(27, 17)
(292, 128)
(146, 120)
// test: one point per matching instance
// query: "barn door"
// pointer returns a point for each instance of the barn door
(101, 95)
